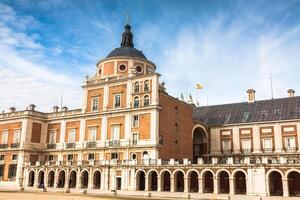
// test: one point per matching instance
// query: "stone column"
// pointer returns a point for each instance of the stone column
(285, 187)
(55, 178)
(46, 178)
(158, 183)
(231, 186)
(216, 185)
(200, 185)
(62, 133)
(172, 184)
(67, 179)
(91, 178)
(146, 184)
(36, 179)
(278, 138)
(78, 179)
(186, 184)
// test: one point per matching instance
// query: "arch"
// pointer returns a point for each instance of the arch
(293, 177)
(136, 102)
(273, 170)
(51, 177)
(146, 86)
(84, 178)
(152, 180)
(239, 170)
(97, 179)
(207, 181)
(136, 87)
(290, 170)
(146, 100)
(165, 180)
(200, 142)
(240, 185)
(31, 178)
(223, 181)
(274, 179)
(72, 179)
(61, 179)
(193, 180)
(140, 180)
(179, 180)
(41, 179)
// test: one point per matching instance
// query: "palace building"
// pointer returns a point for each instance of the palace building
(131, 135)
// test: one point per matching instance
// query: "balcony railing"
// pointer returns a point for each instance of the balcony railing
(290, 149)
(70, 145)
(227, 151)
(15, 145)
(114, 143)
(246, 150)
(51, 146)
(3, 146)
(90, 144)
(267, 150)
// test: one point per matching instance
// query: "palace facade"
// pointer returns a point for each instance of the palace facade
(130, 134)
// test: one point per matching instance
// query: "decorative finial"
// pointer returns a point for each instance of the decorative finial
(198, 104)
(127, 37)
(190, 98)
(181, 96)
(127, 17)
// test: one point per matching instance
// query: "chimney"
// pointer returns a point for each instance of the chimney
(55, 109)
(31, 107)
(291, 93)
(65, 108)
(251, 95)
(12, 109)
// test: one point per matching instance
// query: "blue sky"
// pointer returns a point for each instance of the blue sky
(47, 47)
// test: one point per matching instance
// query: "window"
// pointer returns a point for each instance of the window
(136, 102)
(2, 157)
(51, 158)
(70, 157)
(246, 144)
(114, 156)
(4, 138)
(17, 134)
(122, 68)
(72, 136)
(136, 87)
(134, 138)
(161, 140)
(267, 143)
(135, 121)
(14, 157)
(290, 142)
(95, 103)
(12, 171)
(117, 101)
(52, 137)
(92, 134)
(146, 100)
(146, 86)
(91, 156)
(115, 133)
(133, 156)
(139, 69)
(226, 145)
(145, 155)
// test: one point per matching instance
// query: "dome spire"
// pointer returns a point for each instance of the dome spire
(127, 37)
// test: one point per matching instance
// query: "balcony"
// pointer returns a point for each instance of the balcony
(51, 146)
(15, 145)
(91, 144)
(70, 145)
(3, 146)
(114, 143)
(290, 149)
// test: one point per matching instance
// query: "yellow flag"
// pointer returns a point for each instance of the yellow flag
(199, 86)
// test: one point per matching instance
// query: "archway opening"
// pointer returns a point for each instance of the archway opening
(72, 179)
(97, 180)
(294, 183)
(224, 182)
(152, 181)
(166, 181)
(84, 179)
(240, 183)
(200, 147)
(31, 179)
(179, 181)
(61, 179)
(193, 182)
(41, 178)
(208, 182)
(275, 184)
(51, 179)
(140, 180)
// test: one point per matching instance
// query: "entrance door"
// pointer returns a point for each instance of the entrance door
(118, 185)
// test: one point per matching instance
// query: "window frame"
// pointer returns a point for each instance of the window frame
(69, 134)
(135, 142)
(113, 138)
(95, 107)
(136, 99)
(136, 88)
(115, 100)
(4, 136)
(90, 132)
(144, 100)
(134, 123)
(146, 86)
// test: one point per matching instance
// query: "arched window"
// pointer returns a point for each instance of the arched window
(136, 87)
(146, 86)
(136, 103)
(146, 100)
(145, 155)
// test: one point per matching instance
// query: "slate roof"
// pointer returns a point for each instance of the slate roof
(126, 51)
(258, 111)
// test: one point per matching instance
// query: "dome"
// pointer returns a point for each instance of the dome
(128, 52)
(127, 47)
